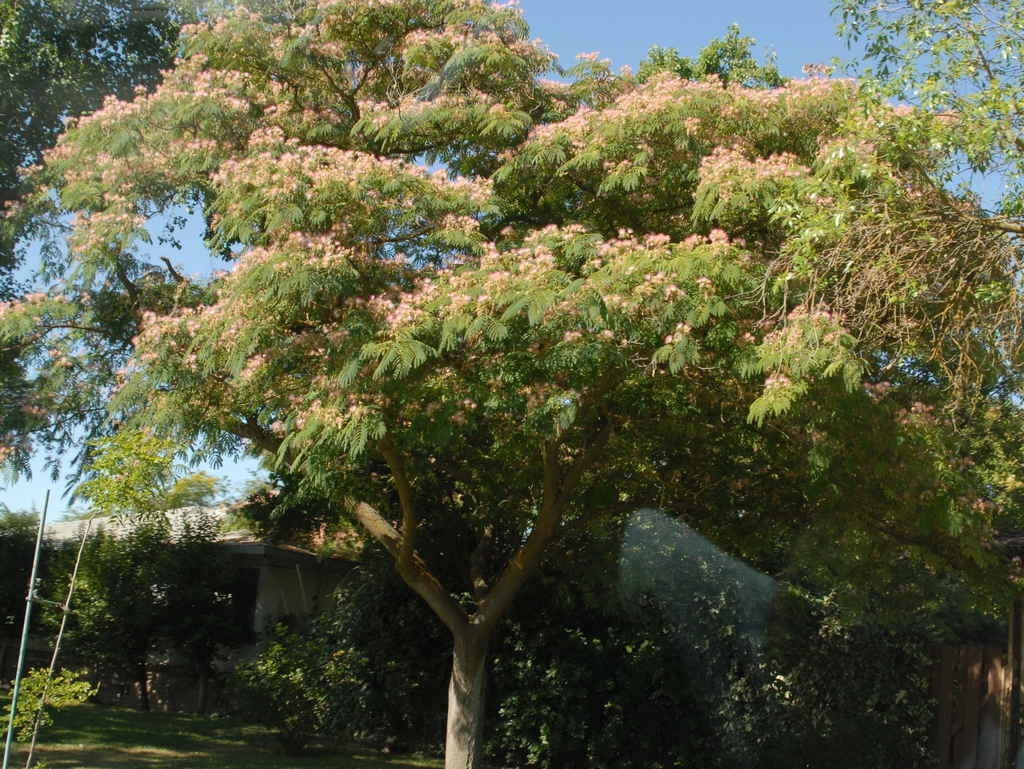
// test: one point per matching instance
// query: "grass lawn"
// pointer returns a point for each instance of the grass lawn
(104, 737)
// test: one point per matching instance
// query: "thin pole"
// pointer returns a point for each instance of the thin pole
(1013, 709)
(24, 632)
(66, 609)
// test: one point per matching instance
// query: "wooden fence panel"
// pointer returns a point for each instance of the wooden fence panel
(969, 685)
(944, 694)
(990, 740)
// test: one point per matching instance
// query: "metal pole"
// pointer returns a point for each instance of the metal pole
(24, 633)
(65, 609)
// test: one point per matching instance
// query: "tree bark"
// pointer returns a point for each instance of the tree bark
(464, 740)
(465, 733)
(142, 681)
(204, 680)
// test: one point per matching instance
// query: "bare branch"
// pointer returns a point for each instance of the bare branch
(174, 273)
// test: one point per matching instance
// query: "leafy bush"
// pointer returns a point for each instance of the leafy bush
(698, 660)
(829, 681)
(671, 675)
(63, 688)
(578, 687)
(289, 687)
(396, 662)
(624, 687)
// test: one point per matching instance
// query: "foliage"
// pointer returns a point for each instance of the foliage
(729, 59)
(196, 580)
(582, 676)
(62, 688)
(606, 277)
(374, 669)
(962, 61)
(195, 490)
(573, 686)
(132, 473)
(831, 679)
(17, 545)
(289, 686)
(750, 672)
(396, 659)
(117, 620)
(61, 58)
(150, 587)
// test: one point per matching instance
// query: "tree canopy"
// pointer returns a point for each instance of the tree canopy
(961, 61)
(605, 295)
(729, 59)
(61, 59)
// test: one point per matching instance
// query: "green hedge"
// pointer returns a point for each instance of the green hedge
(663, 678)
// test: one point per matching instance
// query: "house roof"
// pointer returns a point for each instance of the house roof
(64, 531)
(1012, 541)
(239, 542)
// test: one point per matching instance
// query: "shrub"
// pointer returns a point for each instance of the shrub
(63, 688)
(830, 680)
(396, 661)
(583, 677)
(289, 686)
(626, 687)
(375, 669)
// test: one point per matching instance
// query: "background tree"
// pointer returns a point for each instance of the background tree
(17, 545)
(118, 619)
(729, 59)
(606, 279)
(60, 59)
(154, 586)
(199, 624)
(962, 61)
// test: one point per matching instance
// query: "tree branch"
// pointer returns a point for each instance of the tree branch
(409, 520)
(583, 463)
(478, 565)
(1005, 224)
(253, 431)
(556, 494)
(174, 273)
(130, 288)
(416, 574)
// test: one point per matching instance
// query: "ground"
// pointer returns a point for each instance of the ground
(103, 737)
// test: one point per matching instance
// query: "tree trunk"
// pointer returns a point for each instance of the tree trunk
(204, 680)
(464, 741)
(142, 681)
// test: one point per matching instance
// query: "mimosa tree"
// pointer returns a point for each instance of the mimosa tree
(599, 277)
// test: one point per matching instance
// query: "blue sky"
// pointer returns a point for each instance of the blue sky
(800, 31)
